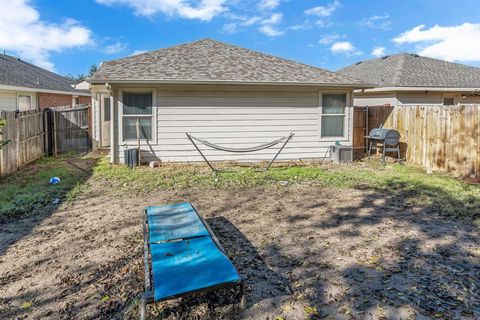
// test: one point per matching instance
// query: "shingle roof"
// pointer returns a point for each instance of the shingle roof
(16, 72)
(412, 70)
(209, 61)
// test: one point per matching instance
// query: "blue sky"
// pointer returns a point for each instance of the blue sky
(68, 36)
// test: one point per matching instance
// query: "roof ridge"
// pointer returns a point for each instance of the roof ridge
(399, 68)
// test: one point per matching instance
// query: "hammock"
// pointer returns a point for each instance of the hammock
(239, 150)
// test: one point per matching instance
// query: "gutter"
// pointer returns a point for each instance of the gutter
(431, 89)
(253, 83)
(71, 93)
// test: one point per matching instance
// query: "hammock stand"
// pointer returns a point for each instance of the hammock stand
(239, 150)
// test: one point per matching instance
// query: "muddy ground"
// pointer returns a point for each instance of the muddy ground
(306, 253)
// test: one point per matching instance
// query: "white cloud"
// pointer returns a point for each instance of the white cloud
(324, 11)
(377, 22)
(268, 4)
(342, 47)
(134, 53)
(271, 31)
(234, 27)
(453, 43)
(116, 47)
(230, 27)
(22, 31)
(378, 51)
(302, 26)
(203, 10)
(250, 21)
(329, 38)
(269, 25)
(275, 18)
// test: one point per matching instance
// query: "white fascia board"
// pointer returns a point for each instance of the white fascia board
(256, 83)
(440, 89)
(17, 88)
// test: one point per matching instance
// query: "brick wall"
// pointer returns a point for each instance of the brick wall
(48, 100)
(85, 100)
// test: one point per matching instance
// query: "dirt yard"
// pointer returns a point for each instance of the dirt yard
(307, 253)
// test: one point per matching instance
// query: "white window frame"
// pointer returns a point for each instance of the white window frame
(32, 106)
(121, 116)
(347, 115)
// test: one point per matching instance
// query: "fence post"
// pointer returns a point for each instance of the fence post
(2, 115)
(54, 131)
(17, 142)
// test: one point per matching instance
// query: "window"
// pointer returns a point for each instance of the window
(448, 101)
(137, 105)
(76, 101)
(24, 103)
(333, 115)
(106, 109)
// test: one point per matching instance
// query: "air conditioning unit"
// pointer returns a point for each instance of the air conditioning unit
(131, 157)
(340, 153)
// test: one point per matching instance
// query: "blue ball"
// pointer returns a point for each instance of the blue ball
(54, 180)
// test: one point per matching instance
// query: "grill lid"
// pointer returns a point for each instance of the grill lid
(389, 136)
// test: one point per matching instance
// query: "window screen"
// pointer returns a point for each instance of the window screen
(130, 128)
(333, 115)
(137, 105)
(106, 109)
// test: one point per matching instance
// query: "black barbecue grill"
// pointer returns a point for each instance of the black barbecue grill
(389, 139)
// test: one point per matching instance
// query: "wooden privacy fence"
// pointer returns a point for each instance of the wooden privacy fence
(68, 129)
(26, 133)
(445, 138)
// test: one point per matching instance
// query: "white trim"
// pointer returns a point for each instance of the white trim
(389, 89)
(112, 126)
(347, 115)
(254, 83)
(153, 140)
(17, 88)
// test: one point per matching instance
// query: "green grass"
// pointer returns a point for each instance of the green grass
(438, 191)
(29, 191)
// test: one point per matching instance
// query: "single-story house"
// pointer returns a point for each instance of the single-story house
(24, 86)
(410, 79)
(219, 92)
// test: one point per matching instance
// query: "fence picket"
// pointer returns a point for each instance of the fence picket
(444, 138)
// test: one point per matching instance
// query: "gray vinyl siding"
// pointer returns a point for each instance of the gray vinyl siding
(379, 99)
(235, 119)
(433, 98)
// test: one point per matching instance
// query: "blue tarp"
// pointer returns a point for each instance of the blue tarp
(184, 256)
(177, 221)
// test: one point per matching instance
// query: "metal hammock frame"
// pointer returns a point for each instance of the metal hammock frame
(264, 146)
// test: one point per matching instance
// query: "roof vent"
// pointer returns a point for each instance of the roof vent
(359, 62)
(385, 57)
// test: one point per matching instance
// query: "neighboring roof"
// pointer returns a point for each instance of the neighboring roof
(207, 61)
(412, 70)
(18, 73)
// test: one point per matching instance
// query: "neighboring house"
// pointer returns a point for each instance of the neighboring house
(223, 93)
(24, 86)
(410, 79)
